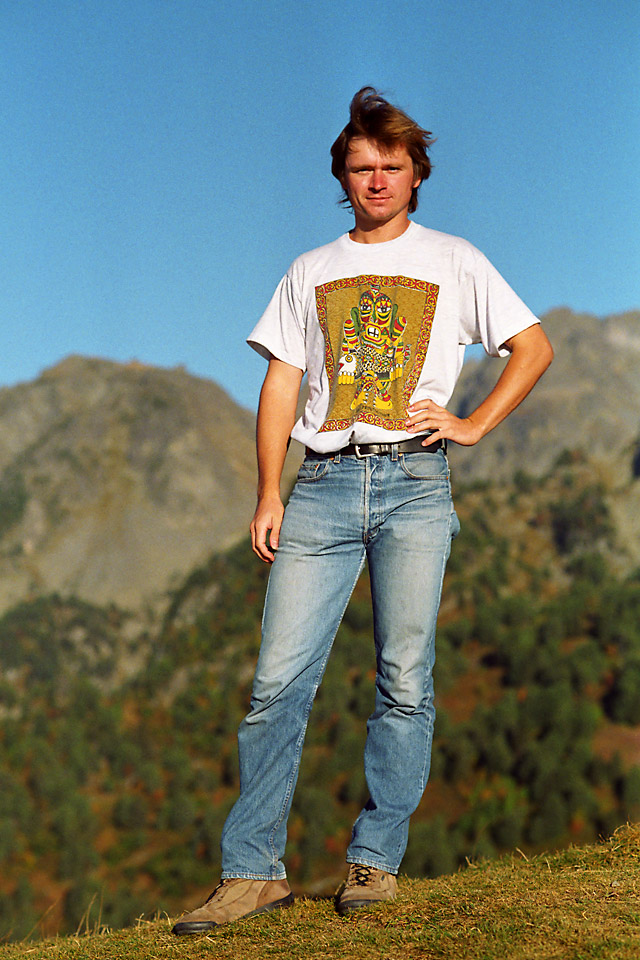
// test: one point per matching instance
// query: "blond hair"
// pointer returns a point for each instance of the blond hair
(373, 117)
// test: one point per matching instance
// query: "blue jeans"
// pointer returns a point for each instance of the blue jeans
(396, 511)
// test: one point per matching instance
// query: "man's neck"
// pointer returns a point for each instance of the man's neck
(379, 232)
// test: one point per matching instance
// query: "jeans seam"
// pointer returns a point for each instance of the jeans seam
(427, 752)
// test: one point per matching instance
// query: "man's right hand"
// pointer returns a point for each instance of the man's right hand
(268, 517)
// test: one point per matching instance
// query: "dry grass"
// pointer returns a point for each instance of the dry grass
(578, 904)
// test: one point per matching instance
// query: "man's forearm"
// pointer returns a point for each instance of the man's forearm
(530, 357)
(531, 354)
(276, 416)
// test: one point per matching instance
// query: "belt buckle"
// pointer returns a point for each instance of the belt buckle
(360, 456)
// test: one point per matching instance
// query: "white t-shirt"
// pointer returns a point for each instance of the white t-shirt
(378, 325)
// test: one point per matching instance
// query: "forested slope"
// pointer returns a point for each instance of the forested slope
(117, 747)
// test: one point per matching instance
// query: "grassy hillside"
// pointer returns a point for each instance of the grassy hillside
(580, 904)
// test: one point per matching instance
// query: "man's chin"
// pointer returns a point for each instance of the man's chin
(378, 214)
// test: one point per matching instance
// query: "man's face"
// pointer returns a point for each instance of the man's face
(378, 183)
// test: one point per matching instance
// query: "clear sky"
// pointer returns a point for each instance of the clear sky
(163, 161)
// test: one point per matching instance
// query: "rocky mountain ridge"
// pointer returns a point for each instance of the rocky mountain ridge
(116, 479)
(588, 400)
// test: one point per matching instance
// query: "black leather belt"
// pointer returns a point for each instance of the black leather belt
(380, 449)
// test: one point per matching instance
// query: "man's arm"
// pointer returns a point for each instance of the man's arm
(276, 416)
(531, 354)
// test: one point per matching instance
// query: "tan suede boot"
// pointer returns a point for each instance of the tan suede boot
(233, 899)
(365, 886)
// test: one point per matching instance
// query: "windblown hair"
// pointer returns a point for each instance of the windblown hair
(376, 119)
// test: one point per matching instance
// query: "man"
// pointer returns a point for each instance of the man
(379, 320)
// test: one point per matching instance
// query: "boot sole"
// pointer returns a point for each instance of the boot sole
(203, 926)
(352, 905)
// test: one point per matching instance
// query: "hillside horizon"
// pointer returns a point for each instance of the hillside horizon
(117, 478)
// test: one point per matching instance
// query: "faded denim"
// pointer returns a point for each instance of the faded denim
(395, 511)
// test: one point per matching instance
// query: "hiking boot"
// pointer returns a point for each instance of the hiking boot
(235, 898)
(364, 886)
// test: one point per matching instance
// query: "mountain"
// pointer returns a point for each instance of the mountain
(116, 479)
(588, 400)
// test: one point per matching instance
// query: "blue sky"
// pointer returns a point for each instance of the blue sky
(163, 161)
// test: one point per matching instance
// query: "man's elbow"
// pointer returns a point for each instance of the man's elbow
(533, 347)
(546, 353)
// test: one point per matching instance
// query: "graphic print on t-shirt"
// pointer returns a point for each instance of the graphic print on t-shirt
(376, 331)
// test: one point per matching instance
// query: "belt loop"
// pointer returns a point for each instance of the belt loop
(394, 451)
(337, 457)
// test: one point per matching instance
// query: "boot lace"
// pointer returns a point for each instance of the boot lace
(217, 890)
(360, 875)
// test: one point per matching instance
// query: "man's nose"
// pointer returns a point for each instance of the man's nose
(378, 180)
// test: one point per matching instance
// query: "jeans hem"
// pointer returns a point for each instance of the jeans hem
(376, 866)
(242, 875)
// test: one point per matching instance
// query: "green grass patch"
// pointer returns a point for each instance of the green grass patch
(582, 903)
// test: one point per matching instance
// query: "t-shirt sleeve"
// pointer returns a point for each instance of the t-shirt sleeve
(490, 311)
(280, 331)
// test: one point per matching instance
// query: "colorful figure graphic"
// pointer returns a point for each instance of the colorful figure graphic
(376, 330)
(373, 353)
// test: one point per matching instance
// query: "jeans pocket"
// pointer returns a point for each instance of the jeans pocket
(312, 470)
(425, 466)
